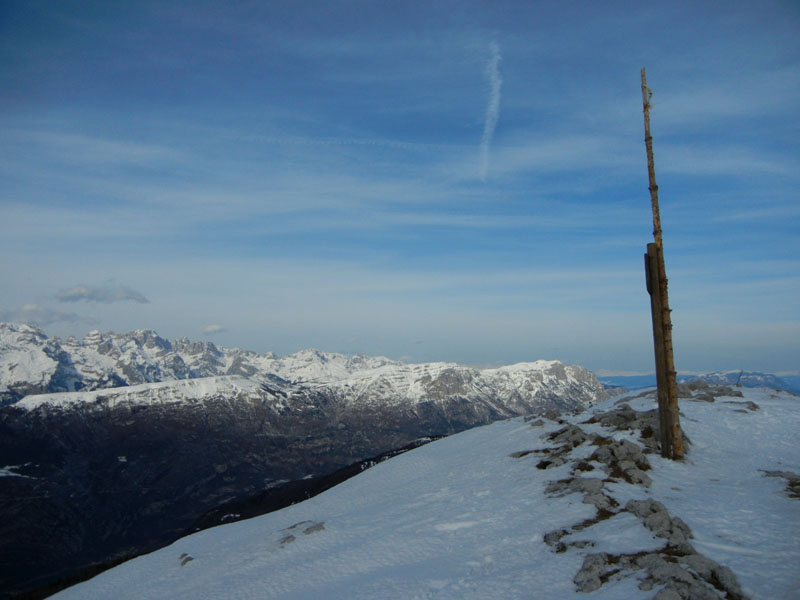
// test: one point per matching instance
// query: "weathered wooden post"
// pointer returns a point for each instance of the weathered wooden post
(669, 420)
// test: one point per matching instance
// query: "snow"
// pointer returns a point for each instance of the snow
(385, 385)
(108, 360)
(414, 383)
(623, 533)
(24, 358)
(313, 366)
(9, 471)
(740, 517)
(163, 392)
(462, 518)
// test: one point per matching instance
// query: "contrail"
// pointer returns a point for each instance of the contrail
(493, 108)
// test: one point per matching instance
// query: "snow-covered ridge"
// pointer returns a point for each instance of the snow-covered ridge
(163, 392)
(434, 381)
(31, 363)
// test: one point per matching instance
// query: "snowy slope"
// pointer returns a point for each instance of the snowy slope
(164, 392)
(513, 510)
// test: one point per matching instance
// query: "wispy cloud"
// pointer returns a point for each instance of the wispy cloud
(75, 148)
(559, 153)
(753, 93)
(723, 159)
(778, 211)
(493, 108)
(37, 315)
(212, 329)
(105, 295)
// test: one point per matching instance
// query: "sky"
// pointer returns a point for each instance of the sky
(429, 181)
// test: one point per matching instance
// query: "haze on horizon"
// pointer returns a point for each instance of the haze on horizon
(426, 181)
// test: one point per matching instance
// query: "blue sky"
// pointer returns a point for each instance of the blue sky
(460, 181)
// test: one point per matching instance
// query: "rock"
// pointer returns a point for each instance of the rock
(637, 477)
(685, 584)
(600, 501)
(553, 539)
(656, 518)
(618, 418)
(571, 435)
(625, 460)
(668, 593)
(702, 398)
(644, 508)
(521, 453)
(588, 485)
(700, 564)
(723, 577)
(587, 579)
(549, 463)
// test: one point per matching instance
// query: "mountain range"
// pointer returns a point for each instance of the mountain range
(118, 443)
(738, 377)
(33, 364)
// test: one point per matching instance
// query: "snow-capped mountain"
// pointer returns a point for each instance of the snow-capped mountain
(738, 377)
(751, 379)
(523, 388)
(577, 507)
(31, 363)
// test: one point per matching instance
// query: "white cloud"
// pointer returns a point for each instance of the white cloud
(211, 329)
(493, 108)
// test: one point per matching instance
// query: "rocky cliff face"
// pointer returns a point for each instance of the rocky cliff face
(104, 470)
